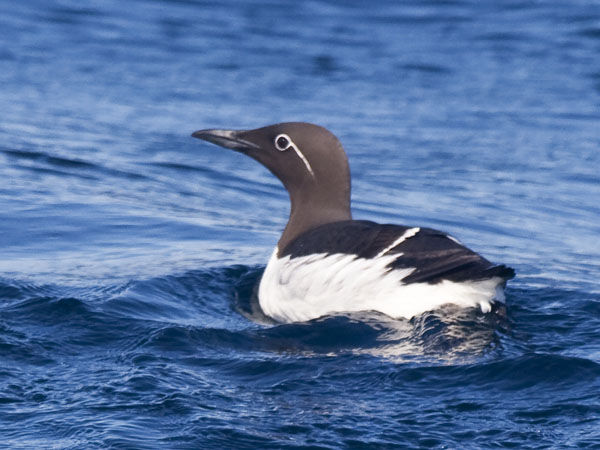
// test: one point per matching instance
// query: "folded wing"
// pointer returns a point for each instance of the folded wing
(433, 255)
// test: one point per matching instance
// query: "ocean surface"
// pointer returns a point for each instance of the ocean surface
(130, 252)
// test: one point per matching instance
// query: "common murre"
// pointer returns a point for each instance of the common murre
(326, 262)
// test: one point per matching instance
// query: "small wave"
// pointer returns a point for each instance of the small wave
(426, 68)
(56, 165)
(217, 309)
(53, 160)
(533, 370)
(592, 33)
(202, 298)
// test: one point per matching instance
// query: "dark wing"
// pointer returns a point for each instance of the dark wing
(359, 237)
(434, 255)
(438, 257)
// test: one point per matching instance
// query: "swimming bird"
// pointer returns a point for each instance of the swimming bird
(325, 262)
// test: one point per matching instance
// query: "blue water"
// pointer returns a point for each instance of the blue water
(129, 251)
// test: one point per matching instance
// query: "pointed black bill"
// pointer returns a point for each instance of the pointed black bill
(226, 138)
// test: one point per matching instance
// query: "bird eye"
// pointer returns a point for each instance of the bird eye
(282, 142)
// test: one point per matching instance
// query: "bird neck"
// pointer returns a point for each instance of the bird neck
(313, 206)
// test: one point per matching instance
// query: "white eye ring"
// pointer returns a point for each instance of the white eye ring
(285, 143)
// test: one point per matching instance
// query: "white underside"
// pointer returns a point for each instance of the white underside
(304, 288)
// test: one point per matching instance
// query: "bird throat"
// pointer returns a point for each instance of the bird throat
(308, 212)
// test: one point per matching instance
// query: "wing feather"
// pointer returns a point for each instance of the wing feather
(434, 255)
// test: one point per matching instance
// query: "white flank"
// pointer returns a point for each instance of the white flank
(407, 234)
(304, 288)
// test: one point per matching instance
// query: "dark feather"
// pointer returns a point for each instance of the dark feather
(432, 253)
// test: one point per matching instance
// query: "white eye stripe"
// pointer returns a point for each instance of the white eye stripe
(287, 143)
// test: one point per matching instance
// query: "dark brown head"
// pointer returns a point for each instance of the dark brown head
(309, 161)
